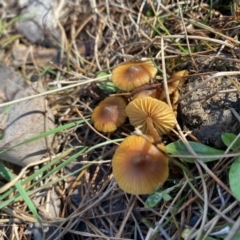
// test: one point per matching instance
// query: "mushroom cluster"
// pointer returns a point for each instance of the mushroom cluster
(140, 163)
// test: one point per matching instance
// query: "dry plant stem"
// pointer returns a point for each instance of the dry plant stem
(210, 229)
(232, 143)
(162, 230)
(109, 221)
(197, 38)
(91, 228)
(235, 228)
(22, 216)
(215, 177)
(136, 56)
(152, 130)
(220, 214)
(189, 148)
(23, 171)
(218, 53)
(152, 232)
(131, 204)
(165, 84)
(209, 224)
(138, 29)
(98, 233)
(210, 205)
(63, 40)
(155, 19)
(71, 189)
(219, 74)
(185, 30)
(199, 25)
(84, 23)
(236, 115)
(53, 91)
(137, 226)
(12, 220)
(94, 236)
(151, 209)
(76, 215)
(140, 11)
(178, 225)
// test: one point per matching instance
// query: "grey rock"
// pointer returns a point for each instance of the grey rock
(39, 20)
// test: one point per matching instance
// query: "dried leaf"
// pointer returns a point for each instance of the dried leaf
(38, 55)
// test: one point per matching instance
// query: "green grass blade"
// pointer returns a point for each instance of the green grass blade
(10, 176)
(47, 133)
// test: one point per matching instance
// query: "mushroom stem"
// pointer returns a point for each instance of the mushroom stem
(152, 130)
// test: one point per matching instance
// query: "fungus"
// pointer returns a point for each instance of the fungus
(133, 74)
(176, 80)
(139, 167)
(146, 90)
(153, 116)
(109, 114)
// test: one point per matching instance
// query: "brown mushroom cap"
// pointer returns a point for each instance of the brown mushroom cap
(151, 92)
(162, 116)
(177, 80)
(133, 74)
(109, 114)
(139, 167)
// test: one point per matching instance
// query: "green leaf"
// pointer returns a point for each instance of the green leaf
(107, 87)
(103, 76)
(234, 178)
(228, 138)
(154, 199)
(178, 148)
(166, 196)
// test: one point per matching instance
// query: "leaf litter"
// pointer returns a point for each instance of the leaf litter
(93, 207)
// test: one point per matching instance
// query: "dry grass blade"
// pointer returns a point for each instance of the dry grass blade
(75, 59)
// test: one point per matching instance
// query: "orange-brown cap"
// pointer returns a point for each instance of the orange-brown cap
(176, 80)
(109, 114)
(139, 167)
(147, 92)
(162, 116)
(133, 74)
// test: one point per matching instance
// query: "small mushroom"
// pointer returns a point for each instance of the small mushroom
(109, 114)
(153, 116)
(138, 166)
(176, 80)
(133, 74)
(147, 90)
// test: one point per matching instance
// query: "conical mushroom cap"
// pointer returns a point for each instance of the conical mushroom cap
(138, 166)
(162, 116)
(109, 114)
(133, 74)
